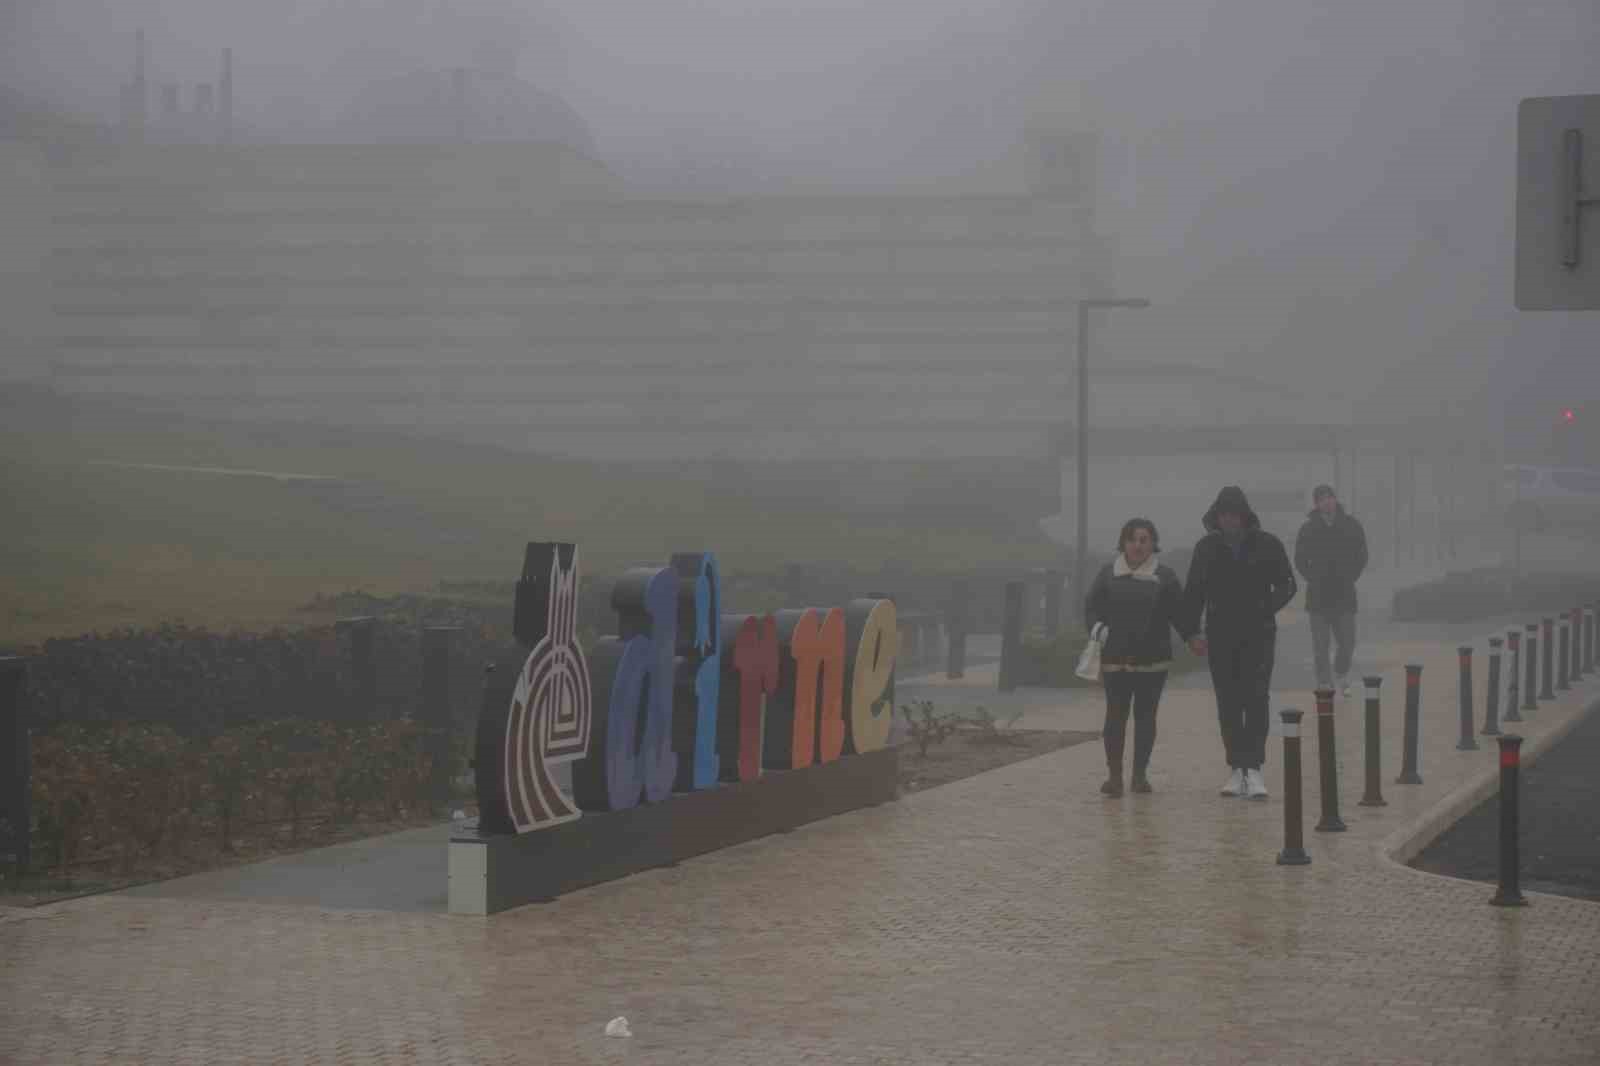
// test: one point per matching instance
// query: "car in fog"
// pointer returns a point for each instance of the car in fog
(1548, 498)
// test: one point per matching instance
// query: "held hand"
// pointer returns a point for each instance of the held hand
(1198, 646)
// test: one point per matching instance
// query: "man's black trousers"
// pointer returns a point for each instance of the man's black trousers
(1241, 674)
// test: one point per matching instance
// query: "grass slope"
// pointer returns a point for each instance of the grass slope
(90, 546)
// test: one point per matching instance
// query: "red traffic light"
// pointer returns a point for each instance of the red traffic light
(1568, 415)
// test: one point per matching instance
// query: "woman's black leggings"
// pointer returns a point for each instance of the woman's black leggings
(1141, 692)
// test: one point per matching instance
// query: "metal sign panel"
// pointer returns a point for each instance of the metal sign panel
(1558, 204)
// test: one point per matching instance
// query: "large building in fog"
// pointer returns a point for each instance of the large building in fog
(458, 262)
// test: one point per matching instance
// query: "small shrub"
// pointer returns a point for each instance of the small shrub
(995, 730)
(927, 726)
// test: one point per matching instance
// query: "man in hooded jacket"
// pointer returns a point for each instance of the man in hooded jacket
(1331, 553)
(1239, 579)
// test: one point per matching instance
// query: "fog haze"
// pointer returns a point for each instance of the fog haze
(1316, 195)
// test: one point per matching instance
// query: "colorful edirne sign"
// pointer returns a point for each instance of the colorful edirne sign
(550, 719)
(681, 699)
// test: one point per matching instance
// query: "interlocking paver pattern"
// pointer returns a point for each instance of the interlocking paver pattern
(1014, 917)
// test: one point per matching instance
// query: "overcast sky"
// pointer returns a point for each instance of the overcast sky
(1314, 191)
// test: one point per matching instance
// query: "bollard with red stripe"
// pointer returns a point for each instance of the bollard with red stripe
(1514, 671)
(1373, 797)
(1408, 751)
(1491, 694)
(1468, 741)
(1294, 844)
(1509, 892)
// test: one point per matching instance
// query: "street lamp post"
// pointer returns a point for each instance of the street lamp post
(1079, 576)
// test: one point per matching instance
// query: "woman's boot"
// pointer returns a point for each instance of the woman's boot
(1113, 785)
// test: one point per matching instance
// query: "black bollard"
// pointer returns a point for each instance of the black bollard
(1588, 640)
(1294, 845)
(1530, 691)
(910, 651)
(1514, 671)
(1593, 627)
(1564, 659)
(1589, 644)
(16, 765)
(1491, 695)
(1578, 666)
(1575, 653)
(1547, 664)
(1328, 760)
(1373, 797)
(958, 620)
(1011, 637)
(955, 663)
(1468, 741)
(1581, 643)
(1408, 753)
(1509, 893)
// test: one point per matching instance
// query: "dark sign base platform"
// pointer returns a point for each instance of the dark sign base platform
(493, 872)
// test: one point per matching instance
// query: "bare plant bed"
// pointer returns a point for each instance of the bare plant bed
(969, 753)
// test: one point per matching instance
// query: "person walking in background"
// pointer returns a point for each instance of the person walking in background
(1239, 579)
(1331, 553)
(1139, 602)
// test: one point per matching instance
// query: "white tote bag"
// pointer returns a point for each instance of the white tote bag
(1089, 661)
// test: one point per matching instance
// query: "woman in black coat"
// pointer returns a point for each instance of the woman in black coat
(1139, 602)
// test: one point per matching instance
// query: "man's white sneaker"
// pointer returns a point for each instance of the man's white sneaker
(1255, 785)
(1235, 785)
(1344, 688)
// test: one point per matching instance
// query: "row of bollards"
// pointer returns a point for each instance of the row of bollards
(1571, 651)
